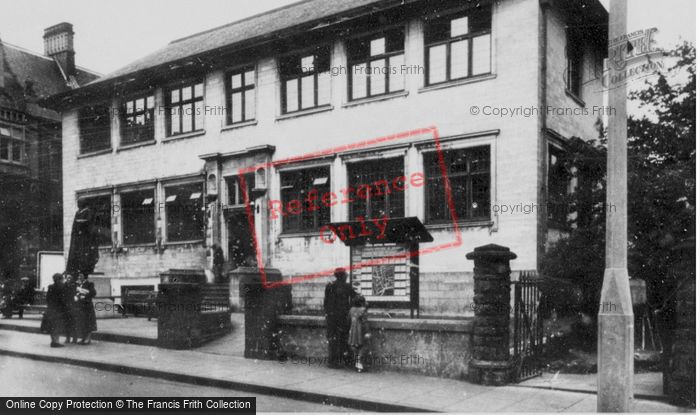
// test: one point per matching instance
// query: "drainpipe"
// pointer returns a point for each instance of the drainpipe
(542, 139)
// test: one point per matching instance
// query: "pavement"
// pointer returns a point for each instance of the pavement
(373, 391)
(22, 377)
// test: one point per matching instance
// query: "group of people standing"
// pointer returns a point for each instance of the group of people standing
(70, 310)
(347, 329)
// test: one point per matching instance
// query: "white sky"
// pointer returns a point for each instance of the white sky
(110, 34)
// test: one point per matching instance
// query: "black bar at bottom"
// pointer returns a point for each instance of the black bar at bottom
(125, 405)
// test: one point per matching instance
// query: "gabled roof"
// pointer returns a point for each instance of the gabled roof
(22, 68)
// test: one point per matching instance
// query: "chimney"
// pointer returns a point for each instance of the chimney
(58, 44)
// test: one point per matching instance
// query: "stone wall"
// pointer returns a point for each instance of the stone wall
(427, 347)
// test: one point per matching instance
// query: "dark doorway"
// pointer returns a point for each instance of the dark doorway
(241, 248)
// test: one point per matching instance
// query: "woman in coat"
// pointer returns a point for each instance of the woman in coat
(56, 310)
(86, 320)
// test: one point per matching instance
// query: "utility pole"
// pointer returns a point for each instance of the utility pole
(616, 324)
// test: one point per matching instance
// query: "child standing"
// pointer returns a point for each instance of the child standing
(359, 330)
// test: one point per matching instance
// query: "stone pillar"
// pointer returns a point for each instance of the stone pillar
(680, 375)
(262, 305)
(491, 363)
(179, 295)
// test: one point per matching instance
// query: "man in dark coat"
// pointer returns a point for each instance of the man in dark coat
(83, 253)
(56, 310)
(336, 304)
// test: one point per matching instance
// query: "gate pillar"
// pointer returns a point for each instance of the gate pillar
(491, 363)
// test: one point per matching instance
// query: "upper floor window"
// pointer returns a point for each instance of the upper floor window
(376, 64)
(468, 171)
(185, 105)
(574, 61)
(302, 195)
(458, 45)
(12, 144)
(95, 128)
(241, 95)
(101, 207)
(306, 80)
(379, 199)
(183, 211)
(138, 216)
(137, 120)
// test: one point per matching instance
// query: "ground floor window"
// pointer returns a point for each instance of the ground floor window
(380, 198)
(469, 174)
(138, 216)
(183, 205)
(302, 192)
(101, 207)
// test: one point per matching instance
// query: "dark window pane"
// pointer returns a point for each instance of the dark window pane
(138, 222)
(94, 123)
(469, 175)
(308, 187)
(380, 199)
(101, 207)
(183, 209)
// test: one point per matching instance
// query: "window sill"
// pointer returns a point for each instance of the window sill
(461, 224)
(14, 163)
(188, 242)
(575, 97)
(228, 127)
(458, 82)
(302, 113)
(138, 245)
(376, 98)
(95, 153)
(136, 145)
(184, 136)
(305, 234)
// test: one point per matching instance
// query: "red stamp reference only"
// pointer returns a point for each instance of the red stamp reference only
(330, 233)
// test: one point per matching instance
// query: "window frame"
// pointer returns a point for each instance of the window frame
(575, 58)
(299, 195)
(12, 140)
(123, 220)
(284, 78)
(389, 176)
(230, 90)
(468, 174)
(233, 189)
(367, 60)
(84, 197)
(167, 238)
(148, 113)
(193, 100)
(469, 36)
(107, 128)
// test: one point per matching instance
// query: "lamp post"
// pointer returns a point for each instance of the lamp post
(616, 324)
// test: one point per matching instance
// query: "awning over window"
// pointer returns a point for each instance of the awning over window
(398, 230)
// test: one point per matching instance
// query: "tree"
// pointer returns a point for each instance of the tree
(661, 186)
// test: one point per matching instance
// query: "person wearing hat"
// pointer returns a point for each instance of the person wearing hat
(336, 305)
(55, 311)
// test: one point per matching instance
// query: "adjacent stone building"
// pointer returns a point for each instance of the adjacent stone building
(157, 146)
(31, 216)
